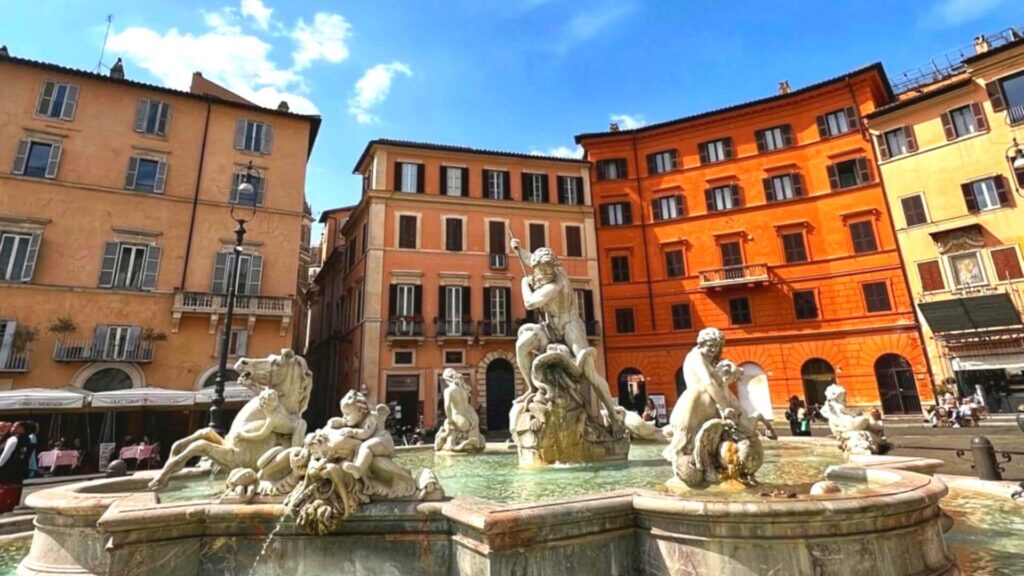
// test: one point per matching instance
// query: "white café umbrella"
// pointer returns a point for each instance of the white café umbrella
(145, 396)
(42, 399)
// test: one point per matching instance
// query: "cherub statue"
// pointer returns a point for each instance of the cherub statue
(857, 434)
(359, 422)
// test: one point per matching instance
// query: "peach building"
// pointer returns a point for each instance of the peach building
(419, 276)
(115, 240)
(950, 153)
(768, 220)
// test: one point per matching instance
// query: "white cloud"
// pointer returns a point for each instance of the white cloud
(628, 121)
(560, 152)
(372, 89)
(956, 12)
(323, 39)
(585, 25)
(258, 12)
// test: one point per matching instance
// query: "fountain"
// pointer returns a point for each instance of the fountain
(857, 434)
(460, 433)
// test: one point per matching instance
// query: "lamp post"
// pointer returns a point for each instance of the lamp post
(1015, 159)
(243, 209)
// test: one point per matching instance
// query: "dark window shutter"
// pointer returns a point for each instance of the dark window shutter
(656, 209)
(822, 126)
(392, 300)
(709, 199)
(622, 168)
(769, 190)
(421, 173)
(442, 302)
(580, 200)
(759, 137)
(947, 126)
(560, 183)
(99, 340)
(496, 230)
(152, 268)
(931, 276)
(1007, 264)
(627, 213)
(863, 171)
(161, 180)
(1001, 190)
(798, 184)
(727, 145)
(969, 199)
(487, 303)
(737, 200)
(787, 135)
(54, 163)
(883, 147)
(465, 181)
(21, 156)
(442, 187)
(605, 209)
(508, 307)
(995, 96)
(526, 192)
(161, 124)
(70, 103)
(545, 188)
(703, 148)
(908, 134)
(833, 177)
(574, 241)
(109, 264)
(417, 304)
(979, 117)
(467, 298)
(678, 199)
(46, 98)
(506, 191)
(397, 184)
(652, 165)
(852, 119)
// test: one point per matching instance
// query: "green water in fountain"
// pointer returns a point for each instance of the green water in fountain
(988, 533)
(11, 553)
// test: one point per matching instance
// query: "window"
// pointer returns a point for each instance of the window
(57, 100)
(585, 307)
(876, 297)
(570, 190)
(151, 117)
(620, 268)
(681, 319)
(614, 169)
(1010, 97)
(496, 185)
(661, 162)
(453, 234)
(715, 150)
(624, 322)
(964, 121)
(837, 122)
(404, 358)
(805, 305)
(253, 136)
(250, 273)
(454, 181)
(1006, 262)
(409, 177)
(574, 241)
(721, 198)
(454, 310)
(146, 175)
(783, 187)
(931, 276)
(967, 269)
(739, 311)
(617, 214)
(37, 159)
(774, 138)
(407, 224)
(849, 173)
(129, 266)
(987, 194)
(913, 210)
(538, 233)
(863, 236)
(896, 142)
(674, 264)
(496, 237)
(259, 185)
(497, 312)
(454, 357)
(535, 188)
(237, 341)
(731, 254)
(18, 254)
(793, 247)
(668, 207)
(405, 304)
(120, 342)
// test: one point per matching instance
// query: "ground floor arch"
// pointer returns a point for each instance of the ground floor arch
(632, 389)
(817, 374)
(897, 387)
(500, 385)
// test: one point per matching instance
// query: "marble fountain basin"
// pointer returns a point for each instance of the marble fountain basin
(502, 521)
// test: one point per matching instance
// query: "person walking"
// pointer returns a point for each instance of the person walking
(803, 417)
(14, 465)
(791, 415)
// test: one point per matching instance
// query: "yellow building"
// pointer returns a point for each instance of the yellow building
(954, 179)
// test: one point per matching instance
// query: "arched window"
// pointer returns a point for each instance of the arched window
(817, 374)
(231, 376)
(108, 379)
(897, 388)
(632, 389)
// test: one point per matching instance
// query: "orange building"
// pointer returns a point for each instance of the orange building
(115, 240)
(766, 219)
(419, 276)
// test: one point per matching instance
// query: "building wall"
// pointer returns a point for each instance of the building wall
(844, 334)
(87, 205)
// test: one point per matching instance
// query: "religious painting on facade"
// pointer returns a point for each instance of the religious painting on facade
(967, 269)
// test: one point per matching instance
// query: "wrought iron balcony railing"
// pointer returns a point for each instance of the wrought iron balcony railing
(731, 275)
(15, 362)
(106, 350)
(498, 261)
(405, 326)
(497, 329)
(1016, 114)
(458, 328)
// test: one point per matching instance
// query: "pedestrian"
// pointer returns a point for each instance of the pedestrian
(650, 411)
(14, 465)
(794, 407)
(33, 461)
(804, 422)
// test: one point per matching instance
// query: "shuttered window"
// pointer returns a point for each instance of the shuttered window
(863, 236)
(407, 224)
(574, 241)
(805, 305)
(1006, 262)
(37, 159)
(259, 187)
(496, 185)
(681, 317)
(1010, 93)
(611, 169)
(538, 236)
(793, 247)
(838, 122)
(931, 276)
(731, 254)
(253, 136)
(18, 254)
(616, 214)
(453, 234)
(913, 210)
(783, 187)
(496, 237)
(775, 138)
(535, 188)
(57, 100)
(620, 268)
(624, 321)
(146, 175)
(250, 273)
(130, 266)
(721, 198)
(715, 150)
(896, 142)
(986, 194)
(659, 162)
(667, 207)
(454, 181)
(739, 311)
(409, 177)
(964, 121)
(151, 117)
(570, 190)
(876, 297)
(849, 173)
(674, 267)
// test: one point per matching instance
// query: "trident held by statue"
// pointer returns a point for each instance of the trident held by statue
(519, 253)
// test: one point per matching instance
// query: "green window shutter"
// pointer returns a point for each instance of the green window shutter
(255, 275)
(54, 164)
(21, 157)
(30, 258)
(161, 177)
(70, 103)
(152, 269)
(220, 269)
(109, 264)
(164, 119)
(133, 170)
(141, 112)
(46, 98)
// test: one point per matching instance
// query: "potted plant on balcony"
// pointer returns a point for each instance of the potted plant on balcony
(61, 328)
(150, 336)
(23, 337)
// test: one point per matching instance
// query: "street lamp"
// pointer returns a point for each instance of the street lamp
(243, 209)
(1015, 158)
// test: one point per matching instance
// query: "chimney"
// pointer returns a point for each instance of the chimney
(117, 70)
(613, 127)
(980, 44)
(784, 87)
(283, 106)
(3, 52)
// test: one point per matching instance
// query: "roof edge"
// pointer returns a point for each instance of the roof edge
(459, 150)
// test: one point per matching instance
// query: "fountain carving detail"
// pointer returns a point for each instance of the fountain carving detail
(857, 434)
(461, 429)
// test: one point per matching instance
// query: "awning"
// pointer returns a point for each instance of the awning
(146, 396)
(973, 313)
(232, 393)
(42, 399)
(990, 362)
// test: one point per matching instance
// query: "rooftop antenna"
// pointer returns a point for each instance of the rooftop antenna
(103, 49)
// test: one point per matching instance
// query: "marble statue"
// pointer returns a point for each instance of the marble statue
(273, 418)
(857, 434)
(554, 420)
(461, 429)
(713, 440)
(346, 463)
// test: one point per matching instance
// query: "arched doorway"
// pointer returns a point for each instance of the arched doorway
(896, 386)
(753, 392)
(817, 374)
(632, 389)
(680, 380)
(108, 379)
(501, 390)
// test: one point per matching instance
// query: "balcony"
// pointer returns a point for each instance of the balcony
(1016, 114)
(405, 328)
(214, 305)
(498, 261)
(496, 329)
(745, 275)
(103, 351)
(460, 328)
(15, 362)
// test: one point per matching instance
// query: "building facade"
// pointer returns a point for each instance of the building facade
(954, 172)
(116, 239)
(428, 277)
(767, 220)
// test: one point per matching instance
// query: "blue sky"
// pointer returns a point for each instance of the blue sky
(519, 75)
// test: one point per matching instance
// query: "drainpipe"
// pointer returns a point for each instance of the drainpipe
(643, 233)
(195, 196)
